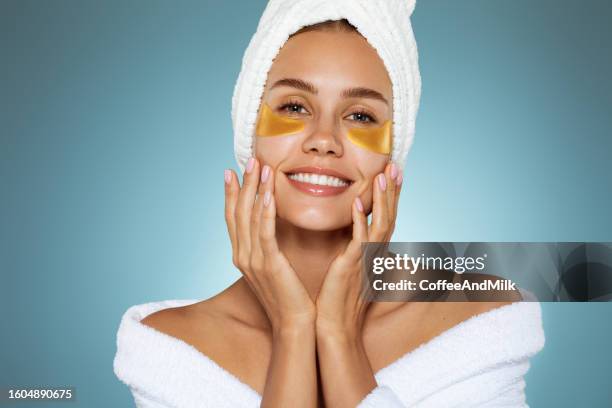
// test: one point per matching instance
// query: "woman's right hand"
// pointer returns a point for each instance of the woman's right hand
(250, 214)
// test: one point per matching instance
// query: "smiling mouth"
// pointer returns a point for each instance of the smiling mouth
(318, 181)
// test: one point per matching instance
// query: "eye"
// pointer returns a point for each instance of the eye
(293, 108)
(363, 117)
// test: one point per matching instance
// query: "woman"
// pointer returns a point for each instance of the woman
(294, 329)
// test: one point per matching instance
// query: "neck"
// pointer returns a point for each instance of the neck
(310, 252)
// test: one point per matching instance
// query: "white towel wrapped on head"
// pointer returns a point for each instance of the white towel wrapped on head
(386, 26)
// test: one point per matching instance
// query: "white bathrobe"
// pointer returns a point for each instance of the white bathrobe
(477, 363)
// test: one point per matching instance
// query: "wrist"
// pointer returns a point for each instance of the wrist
(338, 338)
(294, 329)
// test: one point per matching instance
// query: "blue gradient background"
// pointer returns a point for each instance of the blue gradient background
(115, 130)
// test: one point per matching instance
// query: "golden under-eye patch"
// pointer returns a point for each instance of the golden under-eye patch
(377, 140)
(271, 124)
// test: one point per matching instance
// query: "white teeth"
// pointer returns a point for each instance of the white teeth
(318, 179)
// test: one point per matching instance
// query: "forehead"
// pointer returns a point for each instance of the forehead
(324, 58)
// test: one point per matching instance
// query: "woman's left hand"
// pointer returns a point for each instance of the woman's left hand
(340, 305)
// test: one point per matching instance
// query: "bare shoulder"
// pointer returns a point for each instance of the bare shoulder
(214, 325)
(434, 318)
(402, 328)
(166, 318)
(183, 320)
(219, 329)
(197, 320)
(463, 305)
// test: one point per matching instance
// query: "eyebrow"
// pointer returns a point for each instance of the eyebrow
(358, 92)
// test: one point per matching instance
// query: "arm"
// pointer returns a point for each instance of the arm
(250, 214)
(346, 374)
(345, 370)
(292, 372)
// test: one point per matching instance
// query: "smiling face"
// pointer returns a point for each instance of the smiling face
(331, 96)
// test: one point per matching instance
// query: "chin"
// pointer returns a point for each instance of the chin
(331, 217)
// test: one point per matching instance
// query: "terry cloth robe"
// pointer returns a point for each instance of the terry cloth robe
(481, 362)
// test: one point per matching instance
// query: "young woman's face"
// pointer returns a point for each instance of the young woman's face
(329, 84)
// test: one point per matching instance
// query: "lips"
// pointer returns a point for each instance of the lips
(318, 181)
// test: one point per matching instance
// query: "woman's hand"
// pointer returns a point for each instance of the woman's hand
(341, 307)
(250, 214)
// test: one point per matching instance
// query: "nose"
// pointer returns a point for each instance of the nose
(324, 140)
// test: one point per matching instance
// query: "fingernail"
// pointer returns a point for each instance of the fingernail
(250, 164)
(265, 173)
(359, 204)
(382, 181)
(393, 171)
(399, 179)
(267, 197)
(227, 175)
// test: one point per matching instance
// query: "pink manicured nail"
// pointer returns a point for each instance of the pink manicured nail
(359, 204)
(267, 197)
(227, 175)
(382, 181)
(250, 164)
(265, 173)
(399, 179)
(393, 171)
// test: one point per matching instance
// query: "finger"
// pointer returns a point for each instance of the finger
(398, 189)
(231, 198)
(391, 173)
(380, 215)
(267, 229)
(360, 229)
(244, 206)
(258, 210)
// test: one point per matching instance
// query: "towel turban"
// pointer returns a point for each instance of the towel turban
(385, 24)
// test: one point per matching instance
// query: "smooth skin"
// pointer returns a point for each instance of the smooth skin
(294, 327)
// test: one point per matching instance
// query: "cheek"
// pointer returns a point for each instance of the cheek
(274, 150)
(369, 165)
